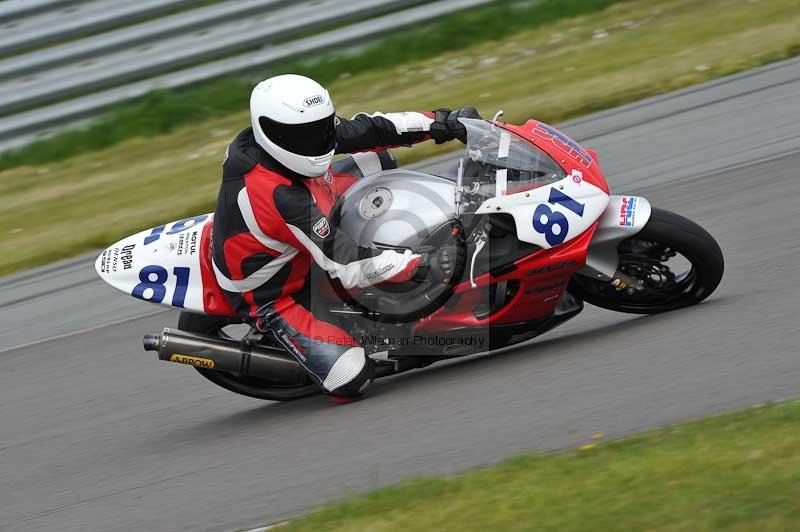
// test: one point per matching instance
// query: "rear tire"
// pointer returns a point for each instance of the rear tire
(255, 387)
(666, 234)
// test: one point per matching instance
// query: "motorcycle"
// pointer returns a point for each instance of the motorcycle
(535, 230)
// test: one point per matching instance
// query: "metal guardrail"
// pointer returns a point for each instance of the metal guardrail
(184, 49)
(81, 18)
(14, 9)
(22, 128)
(129, 36)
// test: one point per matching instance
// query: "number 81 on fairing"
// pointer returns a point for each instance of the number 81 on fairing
(546, 220)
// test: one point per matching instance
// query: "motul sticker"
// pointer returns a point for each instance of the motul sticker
(321, 228)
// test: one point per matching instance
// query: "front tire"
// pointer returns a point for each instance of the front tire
(255, 387)
(646, 257)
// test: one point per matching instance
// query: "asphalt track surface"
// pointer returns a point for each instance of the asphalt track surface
(98, 435)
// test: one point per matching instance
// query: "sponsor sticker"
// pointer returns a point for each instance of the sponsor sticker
(321, 228)
(552, 267)
(572, 148)
(627, 212)
(379, 273)
(192, 361)
(187, 244)
(126, 256)
(313, 101)
(105, 262)
(533, 290)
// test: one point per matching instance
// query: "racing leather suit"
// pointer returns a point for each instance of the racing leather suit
(271, 228)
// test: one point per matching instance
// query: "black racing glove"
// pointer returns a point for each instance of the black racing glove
(446, 126)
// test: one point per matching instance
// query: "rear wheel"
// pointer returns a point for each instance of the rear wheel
(678, 262)
(256, 387)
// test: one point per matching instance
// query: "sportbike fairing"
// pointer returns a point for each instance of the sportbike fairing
(502, 172)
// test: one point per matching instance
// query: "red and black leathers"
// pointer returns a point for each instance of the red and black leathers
(271, 226)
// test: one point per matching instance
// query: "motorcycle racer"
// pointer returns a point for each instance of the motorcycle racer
(271, 223)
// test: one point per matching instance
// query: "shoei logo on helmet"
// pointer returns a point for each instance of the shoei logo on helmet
(313, 101)
(321, 228)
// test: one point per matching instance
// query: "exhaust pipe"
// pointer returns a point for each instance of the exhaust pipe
(209, 352)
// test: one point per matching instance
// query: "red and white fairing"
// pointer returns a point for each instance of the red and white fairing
(522, 207)
(160, 265)
(608, 219)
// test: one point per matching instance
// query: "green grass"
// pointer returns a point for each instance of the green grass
(560, 70)
(737, 472)
(162, 111)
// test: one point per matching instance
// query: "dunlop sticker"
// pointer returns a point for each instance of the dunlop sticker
(192, 361)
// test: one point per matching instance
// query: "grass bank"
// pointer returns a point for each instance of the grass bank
(737, 472)
(563, 69)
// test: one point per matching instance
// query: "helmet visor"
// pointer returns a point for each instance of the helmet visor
(311, 139)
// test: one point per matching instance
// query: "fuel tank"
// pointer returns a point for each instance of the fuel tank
(396, 208)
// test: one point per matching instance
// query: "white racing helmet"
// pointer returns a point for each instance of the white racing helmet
(294, 121)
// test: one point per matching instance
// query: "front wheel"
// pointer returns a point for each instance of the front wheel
(256, 387)
(678, 262)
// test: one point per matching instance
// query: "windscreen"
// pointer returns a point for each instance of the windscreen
(499, 162)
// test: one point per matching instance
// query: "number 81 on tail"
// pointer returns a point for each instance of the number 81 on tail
(152, 286)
